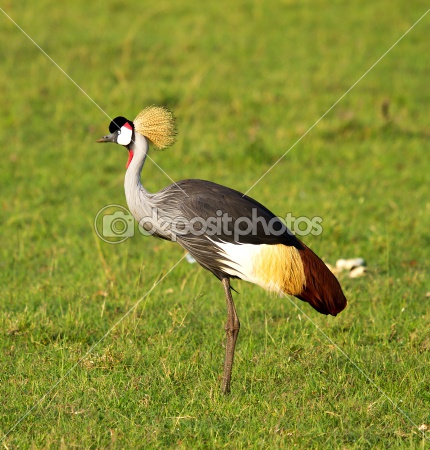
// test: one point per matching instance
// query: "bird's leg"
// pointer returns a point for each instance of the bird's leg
(232, 330)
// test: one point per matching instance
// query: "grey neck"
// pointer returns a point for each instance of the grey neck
(136, 195)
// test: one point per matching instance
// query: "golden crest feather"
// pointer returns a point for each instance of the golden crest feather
(157, 124)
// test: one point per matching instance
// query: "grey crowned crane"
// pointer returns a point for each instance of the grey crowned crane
(228, 233)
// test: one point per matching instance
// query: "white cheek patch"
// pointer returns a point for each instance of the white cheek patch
(125, 134)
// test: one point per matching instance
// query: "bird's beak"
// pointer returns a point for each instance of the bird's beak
(108, 138)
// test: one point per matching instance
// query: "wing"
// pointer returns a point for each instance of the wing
(231, 216)
(246, 244)
(217, 214)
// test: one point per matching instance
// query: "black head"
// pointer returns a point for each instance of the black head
(121, 131)
(118, 122)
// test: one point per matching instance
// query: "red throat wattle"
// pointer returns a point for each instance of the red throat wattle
(130, 157)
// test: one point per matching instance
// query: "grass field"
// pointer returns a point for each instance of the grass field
(246, 80)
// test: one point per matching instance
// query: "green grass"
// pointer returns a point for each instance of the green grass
(246, 80)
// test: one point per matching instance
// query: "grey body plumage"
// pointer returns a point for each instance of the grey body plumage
(275, 260)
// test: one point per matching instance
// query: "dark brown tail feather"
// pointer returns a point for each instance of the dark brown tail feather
(322, 291)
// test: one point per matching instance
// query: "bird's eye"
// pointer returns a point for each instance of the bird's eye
(119, 131)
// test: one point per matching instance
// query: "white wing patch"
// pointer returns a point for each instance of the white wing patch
(241, 261)
(277, 268)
